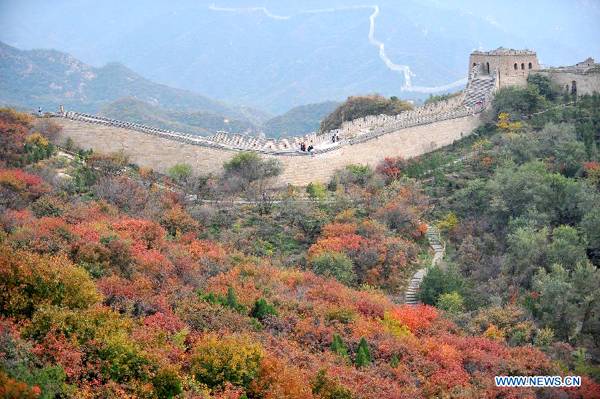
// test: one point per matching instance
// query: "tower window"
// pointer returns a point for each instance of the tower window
(530, 65)
(522, 66)
(515, 66)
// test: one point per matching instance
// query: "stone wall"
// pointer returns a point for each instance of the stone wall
(160, 153)
(587, 83)
(365, 141)
(365, 124)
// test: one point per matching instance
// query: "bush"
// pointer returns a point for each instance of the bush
(337, 346)
(438, 282)
(518, 101)
(363, 356)
(180, 172)
(233, 359)
(327, 387)
(316, 191)
(544, 85)
(451, 303)
(247, 167)
(166, 384)
(49, 381)
(262, 308)
(29, 281)
(334, 264)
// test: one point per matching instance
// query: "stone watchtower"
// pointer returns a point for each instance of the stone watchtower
(513, 65)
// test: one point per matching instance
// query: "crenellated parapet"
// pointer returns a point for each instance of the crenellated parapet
(368, 123)
(350, 133)
(474, 99)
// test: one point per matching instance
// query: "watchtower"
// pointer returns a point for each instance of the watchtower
(513, 65)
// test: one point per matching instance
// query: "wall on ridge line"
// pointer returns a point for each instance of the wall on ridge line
(160, 153)
(586, 83)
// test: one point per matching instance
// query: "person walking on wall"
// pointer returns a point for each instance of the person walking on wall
(62, 110)
(40, 112)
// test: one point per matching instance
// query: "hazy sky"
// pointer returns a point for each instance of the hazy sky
(278, 53)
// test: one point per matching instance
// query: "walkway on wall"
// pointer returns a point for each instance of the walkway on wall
(439, 250)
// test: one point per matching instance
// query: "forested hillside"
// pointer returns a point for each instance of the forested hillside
(196, 122)
(360, 106)
(115, 280)
(519, 206)
(298, 120)
(50, 78)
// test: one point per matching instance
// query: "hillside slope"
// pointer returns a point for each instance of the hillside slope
(299, 120)
(131, 109)
(49, 78)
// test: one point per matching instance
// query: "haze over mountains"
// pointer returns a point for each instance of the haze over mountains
(49, 78)
(288, 54)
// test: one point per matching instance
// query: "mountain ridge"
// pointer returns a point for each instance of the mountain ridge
(49, 78)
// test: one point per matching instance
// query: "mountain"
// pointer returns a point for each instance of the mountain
(50, 78)
(196, 122)
(299, 120)
(360, 106)
(275, 55)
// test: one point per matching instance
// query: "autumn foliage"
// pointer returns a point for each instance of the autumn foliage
(105, 299)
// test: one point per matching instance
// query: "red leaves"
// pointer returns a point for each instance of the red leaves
(391, 168)
(151, 234)
(27, 186)
(418, 319)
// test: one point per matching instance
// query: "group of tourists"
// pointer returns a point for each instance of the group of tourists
(335, 137)
(304, 148)
(61, 111)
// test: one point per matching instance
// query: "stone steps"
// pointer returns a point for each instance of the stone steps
(412, 292)
(480, 86)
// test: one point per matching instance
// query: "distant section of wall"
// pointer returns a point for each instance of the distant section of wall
(160, 153)
(584, 83)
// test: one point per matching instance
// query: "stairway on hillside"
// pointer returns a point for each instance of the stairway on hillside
(481, 86)
(438, 248)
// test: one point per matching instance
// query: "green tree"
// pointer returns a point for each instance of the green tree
(262, 308)
(518, 101)
(363, 355)
(180, 172)
(438, 282)
(316, 191)
(452, 303)
(567, 300)
(590, 225)
(232, 302)
(337, 346)
(544, 85)
(248, 167)
(526, 254)
(334, 264)
(568, 248)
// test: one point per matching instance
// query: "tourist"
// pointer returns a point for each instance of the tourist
(310, 148)
(62, 110)
(40, 112)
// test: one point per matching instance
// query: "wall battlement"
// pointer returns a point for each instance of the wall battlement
(365, 141)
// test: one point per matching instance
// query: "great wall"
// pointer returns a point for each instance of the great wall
(364, 141)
